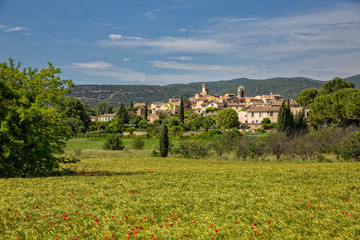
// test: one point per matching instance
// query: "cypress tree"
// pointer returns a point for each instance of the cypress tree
(123, 115)
(146, 112)
(164, 141)
(285, 118)
(181, 113)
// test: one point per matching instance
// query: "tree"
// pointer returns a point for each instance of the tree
(300, 125)
(307, 97)
(113, 142)
(103, 108)
(32, 133)
(146, 112)
(350, 147)
(181, 111)
(335, 85)
(123, 115)
(285, 118)
(164, 141)
(223, 143)
(228, 118)
(276, 143)
(73, 108)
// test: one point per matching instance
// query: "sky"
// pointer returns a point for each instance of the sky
(160, 42)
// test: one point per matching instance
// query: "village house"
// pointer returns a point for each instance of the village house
(106, 117)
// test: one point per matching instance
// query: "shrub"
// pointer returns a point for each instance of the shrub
(155, 153)
(350, 147)
(113, 142)
(192, 149)
(138, 143)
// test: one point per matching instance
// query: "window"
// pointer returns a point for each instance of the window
(271, 113)
(260, 114)
(256, 121)
(252, 114)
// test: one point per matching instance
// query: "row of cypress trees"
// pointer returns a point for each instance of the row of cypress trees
(288, 123)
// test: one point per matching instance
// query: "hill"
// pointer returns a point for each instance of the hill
(114, 94)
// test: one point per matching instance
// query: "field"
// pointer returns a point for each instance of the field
(129, 195)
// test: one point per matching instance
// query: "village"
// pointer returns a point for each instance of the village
(251, 110)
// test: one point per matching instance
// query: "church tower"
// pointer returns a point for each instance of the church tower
(204, 90)
(241, 92)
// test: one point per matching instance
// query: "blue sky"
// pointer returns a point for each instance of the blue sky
(161, 42)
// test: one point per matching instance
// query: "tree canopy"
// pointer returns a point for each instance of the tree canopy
(337, 102)
(32, 129)
(228, 118)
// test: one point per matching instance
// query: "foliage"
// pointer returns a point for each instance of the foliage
(228, 118)
(181, 110)
(164, 141)
(335, 85)
(73, 108)
(192, 149)
(306, 97)
(223, 143)
(75, 125)
(337, 102)
(116, 125)
(146, 112)
(103, 107)
(211, 109)
(113, 142)
(276, 143)
(285, 118)
(349, 148)
(123, 115)
(31, 122)
(138, 143)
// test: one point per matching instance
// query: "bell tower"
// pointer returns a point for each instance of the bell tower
(241, 92)
(204, 90)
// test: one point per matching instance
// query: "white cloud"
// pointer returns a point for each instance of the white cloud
(182, 58)
(114, 36)
(92, 65)
(126, 59)
(174, 44)
(3, 26)
(15, 29)
(199, 67)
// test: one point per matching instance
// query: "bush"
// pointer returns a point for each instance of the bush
(113, 142)
(138, 143)
(192, 149)
(350, 147)
(155, 153)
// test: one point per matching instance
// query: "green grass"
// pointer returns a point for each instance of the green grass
(120, 193)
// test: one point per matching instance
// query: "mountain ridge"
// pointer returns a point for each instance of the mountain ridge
(115, 94)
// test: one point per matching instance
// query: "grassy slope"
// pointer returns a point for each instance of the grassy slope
(171, 197)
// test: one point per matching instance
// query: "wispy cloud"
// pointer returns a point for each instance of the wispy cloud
(182, 58)
(174, 44)
(7, 28)
(92, 65)
(199, 67)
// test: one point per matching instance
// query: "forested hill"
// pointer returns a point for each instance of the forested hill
(114, 94)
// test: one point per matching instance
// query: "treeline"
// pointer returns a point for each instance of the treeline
(313, 145)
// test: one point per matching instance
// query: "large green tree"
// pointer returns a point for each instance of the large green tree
(32, 132)
(228, 118)
(337, 102)
(73, 108)
(123, 115)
